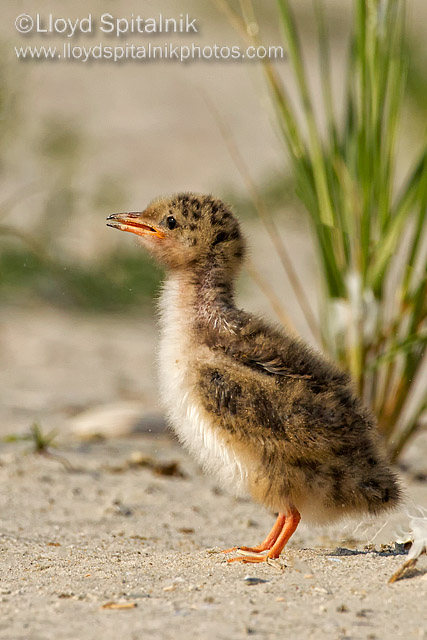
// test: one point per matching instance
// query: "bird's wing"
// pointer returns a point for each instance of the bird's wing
(274, 365)
(246, 404)
(271, 351)
(271, 356)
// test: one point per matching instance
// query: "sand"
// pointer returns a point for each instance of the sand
(111, 550)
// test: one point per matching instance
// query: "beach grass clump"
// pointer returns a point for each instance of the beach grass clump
(367, 211)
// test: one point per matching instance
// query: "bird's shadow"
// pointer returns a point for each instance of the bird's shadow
(413, 573)
(397, 550)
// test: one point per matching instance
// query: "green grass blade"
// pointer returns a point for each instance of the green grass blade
(315, 149)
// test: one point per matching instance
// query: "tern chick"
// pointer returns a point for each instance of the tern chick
(257, 407)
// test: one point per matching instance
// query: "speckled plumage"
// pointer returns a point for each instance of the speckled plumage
(257, 407)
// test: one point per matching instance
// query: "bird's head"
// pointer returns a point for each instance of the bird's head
(186, 231)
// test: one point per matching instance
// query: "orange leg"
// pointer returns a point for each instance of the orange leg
(270, 539)
(289, 525)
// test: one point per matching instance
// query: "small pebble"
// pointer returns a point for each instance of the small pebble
(252, 580)
(322, 590)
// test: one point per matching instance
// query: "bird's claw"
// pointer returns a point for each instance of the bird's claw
(248, 554)
(259, 549)
(252, 559)
(249, 558)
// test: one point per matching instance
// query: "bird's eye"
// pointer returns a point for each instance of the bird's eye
(171, 222)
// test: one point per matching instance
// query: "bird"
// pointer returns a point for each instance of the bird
(261, 410)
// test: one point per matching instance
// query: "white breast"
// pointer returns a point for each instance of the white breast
(177, 380)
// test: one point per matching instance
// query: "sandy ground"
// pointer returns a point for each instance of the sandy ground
(75, 543)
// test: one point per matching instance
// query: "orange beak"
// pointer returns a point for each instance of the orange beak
(134, 223)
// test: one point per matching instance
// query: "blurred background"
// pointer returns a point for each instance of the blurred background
(80, 141)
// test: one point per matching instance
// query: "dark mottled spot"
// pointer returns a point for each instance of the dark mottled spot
(193, 242)
(372, 462)
(345, 450)
(304, 463)
(221, 236)
(182, 202)
(337, 476)
(234, 235)
(223, 395)
(266, 414)
(192, 226)
(372, 484)
(238, 253)
(373, 490)
(310, 468)
(196, 214)
(345, 395)
(386, 495)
